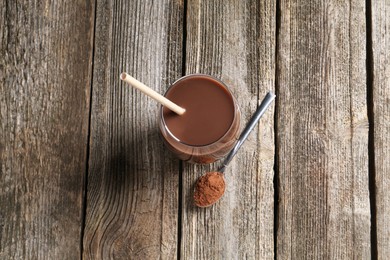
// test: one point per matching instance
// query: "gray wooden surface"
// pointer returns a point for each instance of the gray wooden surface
(132, 201)
(45, 78)
(84, 173)
(324, 210)
(234, 43)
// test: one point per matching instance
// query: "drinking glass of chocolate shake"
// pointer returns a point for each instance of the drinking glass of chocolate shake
(210, 125)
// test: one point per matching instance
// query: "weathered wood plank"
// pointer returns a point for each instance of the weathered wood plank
(133, 181)
(234, 41)
(45, 73)
(324, 210)
(381, 101)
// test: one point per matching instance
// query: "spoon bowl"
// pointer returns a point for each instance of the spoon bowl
(209, 189)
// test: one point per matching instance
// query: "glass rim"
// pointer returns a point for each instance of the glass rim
(235, 109)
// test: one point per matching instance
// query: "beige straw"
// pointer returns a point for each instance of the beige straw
(151, 93)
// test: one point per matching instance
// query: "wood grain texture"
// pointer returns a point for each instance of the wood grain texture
(234, 41)
(381, 100)
(324, 210)
(132, 201)
(45, 72)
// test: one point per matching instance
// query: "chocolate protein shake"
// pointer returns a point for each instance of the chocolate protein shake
(209, 127)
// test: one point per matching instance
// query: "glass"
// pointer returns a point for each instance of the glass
(200, 91)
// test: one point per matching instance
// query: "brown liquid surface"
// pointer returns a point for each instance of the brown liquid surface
(209, 110)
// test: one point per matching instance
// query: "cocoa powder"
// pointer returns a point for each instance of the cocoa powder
(209, 189)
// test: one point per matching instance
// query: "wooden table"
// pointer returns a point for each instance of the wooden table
(83, 171)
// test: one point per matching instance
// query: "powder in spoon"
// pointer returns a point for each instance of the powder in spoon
(209, 189)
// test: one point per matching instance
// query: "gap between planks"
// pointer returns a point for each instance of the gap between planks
(276, 156)
(370, 115)
(85, 179)
(180, 196)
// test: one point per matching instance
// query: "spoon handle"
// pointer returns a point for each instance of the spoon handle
(249, 127)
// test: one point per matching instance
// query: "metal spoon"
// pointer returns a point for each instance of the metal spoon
(213, 182)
